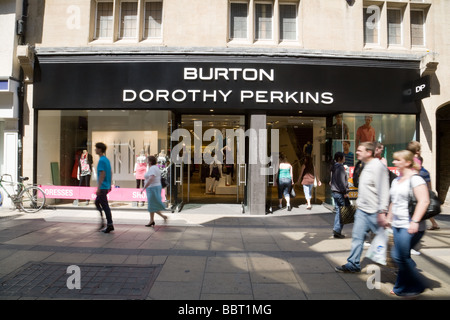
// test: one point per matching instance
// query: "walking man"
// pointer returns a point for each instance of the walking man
(372, 203)
(103, 187)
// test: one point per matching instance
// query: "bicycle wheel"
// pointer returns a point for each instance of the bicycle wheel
(32, 199)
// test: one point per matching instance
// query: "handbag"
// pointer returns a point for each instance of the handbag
(434, 208)
(292, 193)
(347, 212)
(163, 182)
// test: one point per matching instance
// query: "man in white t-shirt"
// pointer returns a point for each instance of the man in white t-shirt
(373, 199)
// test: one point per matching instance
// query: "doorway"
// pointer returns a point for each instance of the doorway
(214, 175)
(443, 153)
(299, 137)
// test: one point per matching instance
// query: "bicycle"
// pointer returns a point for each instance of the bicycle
(27, 198)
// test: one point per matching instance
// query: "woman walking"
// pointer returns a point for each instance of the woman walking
(306, 178)
(339, 190)
(408, 230)
(285, 181)
(153, 187)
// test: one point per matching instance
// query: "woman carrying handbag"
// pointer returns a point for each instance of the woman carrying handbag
(408, 230)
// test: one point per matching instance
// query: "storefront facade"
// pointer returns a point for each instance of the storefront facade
(185, 108)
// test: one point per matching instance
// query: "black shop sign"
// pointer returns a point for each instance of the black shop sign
(159, 85)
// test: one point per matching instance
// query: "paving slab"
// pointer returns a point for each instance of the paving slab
(204, 253)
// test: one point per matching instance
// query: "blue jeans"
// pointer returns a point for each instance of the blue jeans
(307, 188)
(408, 278)
(364, 222)
(339, 201)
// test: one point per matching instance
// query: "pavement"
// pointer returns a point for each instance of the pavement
(209, 252)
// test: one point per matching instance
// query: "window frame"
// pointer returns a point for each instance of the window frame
(230, 30)
(96, 34)
(144, 23)
(379, 29)
(402, 40)
(121, 22)
(296, 5)
(423, 28)
(272, 18)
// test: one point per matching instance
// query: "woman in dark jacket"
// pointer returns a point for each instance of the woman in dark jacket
(339, 190)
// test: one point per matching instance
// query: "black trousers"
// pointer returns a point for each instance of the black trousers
(85, 181)
(101, 202)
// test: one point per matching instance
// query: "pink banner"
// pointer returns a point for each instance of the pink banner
(89, 193)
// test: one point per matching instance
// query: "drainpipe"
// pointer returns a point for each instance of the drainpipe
(20, 31)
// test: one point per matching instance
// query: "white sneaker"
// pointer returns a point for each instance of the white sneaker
(414, 252)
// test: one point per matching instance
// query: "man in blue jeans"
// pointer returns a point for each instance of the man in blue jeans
(372, 202)
(103, 186)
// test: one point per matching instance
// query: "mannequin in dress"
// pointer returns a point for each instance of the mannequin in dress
(140, 168)
(85, 169)
(215, 171)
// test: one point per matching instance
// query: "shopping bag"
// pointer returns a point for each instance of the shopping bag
(377, 251)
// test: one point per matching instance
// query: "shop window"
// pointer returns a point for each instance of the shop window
(393, 131)
(153, 20)
(288, 22)
(104, 21)
(238, 20)
(63, 135)
(263, 21)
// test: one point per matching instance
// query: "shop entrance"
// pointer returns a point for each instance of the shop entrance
(299, 137)
(214, 175)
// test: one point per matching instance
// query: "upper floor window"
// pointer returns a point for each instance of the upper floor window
(104, 20)
(263, 21)
(153, 20)
(238, 20)
(394, 20)
(288, 22)
(417, 27)
(267, 23)
(393, 24)
(128, 20)
(371, 25)
(134, 20)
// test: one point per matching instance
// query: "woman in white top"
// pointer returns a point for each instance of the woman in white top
(153, 187)
(407, 230)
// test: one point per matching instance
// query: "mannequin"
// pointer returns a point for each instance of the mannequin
(161, 160)
(215, 171)
(164, 165)
(85, 169)
(140, 168)
(228, 168)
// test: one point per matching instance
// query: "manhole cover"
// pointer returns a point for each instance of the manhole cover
(82, 281)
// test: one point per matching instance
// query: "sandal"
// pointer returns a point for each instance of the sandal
(433, 228)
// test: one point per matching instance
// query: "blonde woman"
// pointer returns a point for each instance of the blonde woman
(407, 230)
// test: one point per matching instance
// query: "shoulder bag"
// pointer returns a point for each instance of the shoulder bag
(434, 208)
